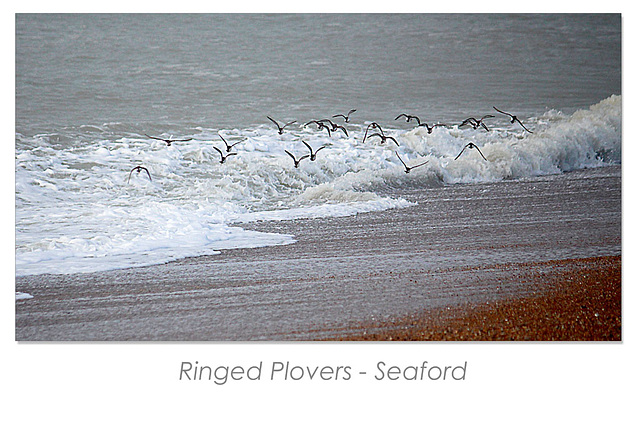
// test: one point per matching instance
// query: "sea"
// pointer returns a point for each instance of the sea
(97, 188)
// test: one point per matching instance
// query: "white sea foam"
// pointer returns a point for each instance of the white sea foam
(23, 295)
(80, 209)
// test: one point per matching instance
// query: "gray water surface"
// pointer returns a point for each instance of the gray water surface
(231, 70)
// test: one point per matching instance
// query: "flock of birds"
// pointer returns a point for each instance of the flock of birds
(330, 126)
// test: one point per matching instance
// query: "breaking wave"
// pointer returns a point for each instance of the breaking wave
(81, 208)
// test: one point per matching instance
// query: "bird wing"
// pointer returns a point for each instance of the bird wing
(372, 124)
(465, 147)
(376, 134)
(219, 151)
(154, 137)
(340, 115)
(476, 147)
(290, 123)
(274, 122)
(423, 163)
(303, 157)
(518, 120)
(401, 115)
(292, 156)
(180, 140)
(324, 146)
(147, 171)
(393, 139)
(415, 117)
(343, 130)
(401, 161)
(308, 146)
(487, 116)
(351, 111)
(502, 112)
(365, 133)
(139, 168)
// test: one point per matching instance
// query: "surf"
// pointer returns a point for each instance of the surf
(76, 212)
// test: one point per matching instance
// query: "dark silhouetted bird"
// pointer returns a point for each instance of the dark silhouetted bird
(296, 162)
(383, 138)
(475, 123)
(513, 119)
(409, 117)
(346, 118)
(321, 125)
(470, 146)
(313, 154)
(431, 128)
(229, 146)
(407, 169)
(371, 125)
(223, 158)
(335, 127)
(280, 128)
(139, 169)
(169, 140)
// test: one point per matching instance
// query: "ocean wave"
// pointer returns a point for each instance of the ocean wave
(81, 207)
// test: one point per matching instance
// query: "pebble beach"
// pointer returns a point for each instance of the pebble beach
(531, 259)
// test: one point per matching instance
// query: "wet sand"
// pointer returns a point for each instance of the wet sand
(462, 255)
(581, 301)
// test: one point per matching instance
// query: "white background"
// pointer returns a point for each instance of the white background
(506, 384)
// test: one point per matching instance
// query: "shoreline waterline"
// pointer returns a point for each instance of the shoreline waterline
(341, 271)
(97, 220)
(574, 300)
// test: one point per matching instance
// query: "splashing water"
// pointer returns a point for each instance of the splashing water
(81, 208)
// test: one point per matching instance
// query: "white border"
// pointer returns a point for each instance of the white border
(507, 384)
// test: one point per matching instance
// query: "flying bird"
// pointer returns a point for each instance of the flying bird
(346, 118)
(513, 119)
(342, 128)
(139, 169)
(313, 154)
(475, 123)
(431, 128)
(384, 138)
(321, 125)
(229, 146)
(168, 141)
(371, 126)
(470, 146)
(296, 162)
(407, 169)
(280, 128)
(409, 117)
(223, 158)
(335, 127)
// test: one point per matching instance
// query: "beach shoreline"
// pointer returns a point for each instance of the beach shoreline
(458, 247)
(582, 302)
